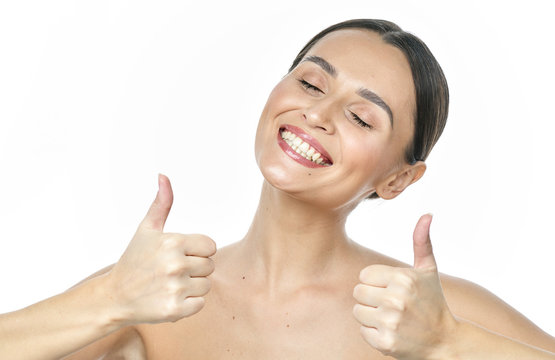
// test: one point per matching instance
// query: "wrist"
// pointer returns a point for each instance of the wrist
(451, 336)
(110, 315)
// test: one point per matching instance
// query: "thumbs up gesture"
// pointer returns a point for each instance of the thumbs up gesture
(402, 311)
(161, 276)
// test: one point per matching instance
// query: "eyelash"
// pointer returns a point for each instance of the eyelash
(309, 86)
(358, 120)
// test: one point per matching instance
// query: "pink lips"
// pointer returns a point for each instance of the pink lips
(308, 139)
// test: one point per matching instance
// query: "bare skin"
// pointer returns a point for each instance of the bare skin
(313, 322)
(296, 287)
(246, 321)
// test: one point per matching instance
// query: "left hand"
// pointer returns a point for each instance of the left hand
(402, 310)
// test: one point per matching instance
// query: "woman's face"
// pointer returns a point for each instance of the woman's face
(350, 103)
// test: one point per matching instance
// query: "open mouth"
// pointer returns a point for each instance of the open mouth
(302, 148)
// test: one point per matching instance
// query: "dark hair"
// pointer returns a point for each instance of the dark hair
(431, 91)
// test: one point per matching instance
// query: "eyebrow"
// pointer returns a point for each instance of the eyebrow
(329, 68)
(363, 92)
(373, 97)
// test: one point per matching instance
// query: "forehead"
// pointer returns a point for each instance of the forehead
(363, 59)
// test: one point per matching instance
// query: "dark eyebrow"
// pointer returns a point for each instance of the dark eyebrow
(323, 64)
(373, 97)
(365, 93)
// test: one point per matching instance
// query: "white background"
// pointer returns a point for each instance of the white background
(98, 97)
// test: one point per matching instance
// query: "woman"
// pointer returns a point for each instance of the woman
(355, 118)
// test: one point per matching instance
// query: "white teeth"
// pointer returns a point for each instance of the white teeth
(302, 148)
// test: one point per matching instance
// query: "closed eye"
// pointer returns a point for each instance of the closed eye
(359, 121)
(309, 86)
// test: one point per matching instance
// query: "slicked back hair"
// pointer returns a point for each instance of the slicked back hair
(430, 85)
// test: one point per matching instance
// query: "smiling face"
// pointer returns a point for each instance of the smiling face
(334, 130)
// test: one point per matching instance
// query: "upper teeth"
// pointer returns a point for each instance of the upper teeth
(302, 148)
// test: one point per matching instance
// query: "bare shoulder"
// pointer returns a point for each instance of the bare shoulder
(476, 304)
(364, 256)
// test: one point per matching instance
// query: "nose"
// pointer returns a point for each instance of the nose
(319, 116)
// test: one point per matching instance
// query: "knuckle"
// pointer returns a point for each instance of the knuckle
(407, 279)
(173, 288)
(386, 349)
(387, 344)
(171, 240)
(173, 268)
(371, 335)
(171, 310)
(395, 302)
(391, 323)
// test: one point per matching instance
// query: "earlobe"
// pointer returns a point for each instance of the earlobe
(400, 180)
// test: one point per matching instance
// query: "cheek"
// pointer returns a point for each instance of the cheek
(287, 95)
(284, 97)
(366, 150)
(369, 157)
(265, 130)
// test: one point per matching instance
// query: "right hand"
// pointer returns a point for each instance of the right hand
(161, 276)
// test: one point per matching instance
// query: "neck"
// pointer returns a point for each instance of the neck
(292, 242)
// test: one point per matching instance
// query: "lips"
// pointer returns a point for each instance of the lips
(302, 147)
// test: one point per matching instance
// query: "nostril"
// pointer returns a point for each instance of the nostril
(318, 119)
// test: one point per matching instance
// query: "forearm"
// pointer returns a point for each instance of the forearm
(59, 325)
(470, 341)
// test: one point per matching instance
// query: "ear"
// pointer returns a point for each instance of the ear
(397, 182)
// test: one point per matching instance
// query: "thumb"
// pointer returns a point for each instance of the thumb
(423, 253)
(158, 212)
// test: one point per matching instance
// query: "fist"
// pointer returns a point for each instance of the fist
(402, 311)
(161, 276)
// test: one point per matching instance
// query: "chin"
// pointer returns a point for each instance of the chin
(279, 176)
